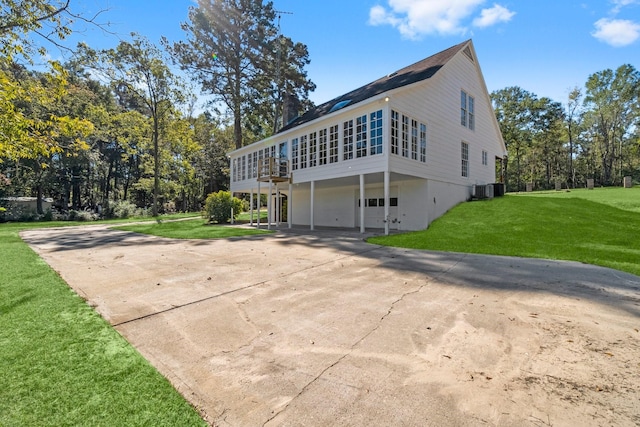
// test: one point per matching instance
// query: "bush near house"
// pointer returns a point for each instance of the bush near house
(217, 207)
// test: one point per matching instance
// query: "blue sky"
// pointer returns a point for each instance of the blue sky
(545, 46)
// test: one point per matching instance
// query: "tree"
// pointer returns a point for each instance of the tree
(512, 107)
(612, 102)
(231, 49)
(141, 79)
(572, 117)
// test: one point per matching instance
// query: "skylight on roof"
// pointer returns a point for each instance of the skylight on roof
(340, 105)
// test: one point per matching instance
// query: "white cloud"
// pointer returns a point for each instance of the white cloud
(492, 16)
(616, 32)
(416, 18)
(619, 4)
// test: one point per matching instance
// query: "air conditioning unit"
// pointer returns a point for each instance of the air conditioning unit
(482, 191)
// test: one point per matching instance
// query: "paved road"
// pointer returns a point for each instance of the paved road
(316, 329)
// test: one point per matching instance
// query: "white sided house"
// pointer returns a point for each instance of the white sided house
(394, 154)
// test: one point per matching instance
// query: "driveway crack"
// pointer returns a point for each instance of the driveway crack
(354, 345)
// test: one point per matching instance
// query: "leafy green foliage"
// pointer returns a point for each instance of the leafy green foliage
(217, 207)
(593, 226)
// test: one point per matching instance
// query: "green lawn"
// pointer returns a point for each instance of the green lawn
(600, 227)
(190, 229)
(61, 363)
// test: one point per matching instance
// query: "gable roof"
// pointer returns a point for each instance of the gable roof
(419, 71)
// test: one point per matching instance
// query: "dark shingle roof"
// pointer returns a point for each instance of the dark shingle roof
(419, 71)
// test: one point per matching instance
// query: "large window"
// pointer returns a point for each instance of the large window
(395, 125)
(322, 147)
(405, 136)
(294, 154)
(376, 132)
(361, 136)
(347, 140)
(414, 139)
(423, 142)
(234, 167)
(303, 152)
(465, 159)
(255, 164)
(313, 149)
(333, 144)
(467, 110)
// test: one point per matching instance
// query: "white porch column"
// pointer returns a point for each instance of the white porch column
(259, 201)
(278, 206)
(251, 208)
(362, 203)
(290, 206)
(386, 202)
(269, 205)
(313, 190)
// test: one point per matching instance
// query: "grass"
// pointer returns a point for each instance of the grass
(190, 229)
(600, 227)
(62, 364)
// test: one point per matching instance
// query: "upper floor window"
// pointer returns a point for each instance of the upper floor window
(395, 125)
(467, 110)
(322, 147)
(303, 152)
(423, 142)
(294, 154)
(347, 140)
(376, 132)
(333, 144)
(313, 149)
(361, 136)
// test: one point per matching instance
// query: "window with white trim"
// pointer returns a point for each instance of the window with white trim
(322, 147)
(255, 164)
(244, 168)
(467, 110)
(347, 140)
(234, 170)
(414, 139)
(485, 158)
(464, 154)
(395, 126)
(313, 149)
(405, 136)
(294, 154)
(375, 125)
(303, 152)
(361, 136)
(333, 144)
(423, 142)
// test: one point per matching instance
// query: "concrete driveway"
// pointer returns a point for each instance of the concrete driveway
(318, 329)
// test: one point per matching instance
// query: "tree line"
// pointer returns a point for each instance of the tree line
(594, 135)
(122, 126)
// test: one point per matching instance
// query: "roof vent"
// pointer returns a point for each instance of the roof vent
(340, 105)
(395, 73)
(467, 51)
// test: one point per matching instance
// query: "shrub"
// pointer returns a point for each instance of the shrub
(217, 207)
(125, 209)
(82, 216)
